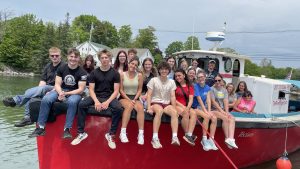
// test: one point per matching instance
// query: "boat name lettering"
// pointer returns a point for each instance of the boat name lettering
(246, 134)
(280, 87)
(280, 102)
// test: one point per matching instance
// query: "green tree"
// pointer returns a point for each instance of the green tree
(174, 47)
(251, 68)
(64, 37)
(192, 43)
(81, 27)
(5, 15)
(125, 35)
(106, 33)
(23, 36)
(146, 39)
(48, 40)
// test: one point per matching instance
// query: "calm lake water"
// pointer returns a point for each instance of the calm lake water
(18, 151)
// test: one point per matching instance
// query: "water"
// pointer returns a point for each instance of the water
(18, 151)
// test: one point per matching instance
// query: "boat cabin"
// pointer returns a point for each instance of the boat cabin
(271, 95)
(230, 66)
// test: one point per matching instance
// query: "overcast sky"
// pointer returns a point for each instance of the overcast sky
(177, 17)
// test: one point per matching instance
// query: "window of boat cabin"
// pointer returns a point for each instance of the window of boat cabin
(236, 68)
(203, 63)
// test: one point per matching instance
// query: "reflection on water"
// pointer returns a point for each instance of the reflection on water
(18, 151)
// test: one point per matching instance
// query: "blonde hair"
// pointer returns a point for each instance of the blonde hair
(54, 49)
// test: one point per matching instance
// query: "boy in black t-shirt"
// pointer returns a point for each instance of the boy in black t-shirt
(104, 83)
(70, 82)
(46, 84)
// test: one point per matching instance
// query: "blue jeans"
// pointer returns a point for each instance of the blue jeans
(38, 91)
(47, 101)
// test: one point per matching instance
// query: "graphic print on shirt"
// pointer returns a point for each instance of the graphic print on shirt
(70, 80)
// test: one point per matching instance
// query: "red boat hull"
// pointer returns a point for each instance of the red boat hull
(255, 146)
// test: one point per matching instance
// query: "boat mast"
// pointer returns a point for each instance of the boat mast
(90, 39)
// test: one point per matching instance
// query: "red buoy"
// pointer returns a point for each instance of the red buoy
(283, 163)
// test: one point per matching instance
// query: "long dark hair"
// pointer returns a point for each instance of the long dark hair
(117, 61)
(238, 87)
(185, 77)
(92, 66)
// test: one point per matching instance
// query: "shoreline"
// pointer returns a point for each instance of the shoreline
(13, 73)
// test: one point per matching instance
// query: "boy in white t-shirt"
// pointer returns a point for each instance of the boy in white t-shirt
(161, 97)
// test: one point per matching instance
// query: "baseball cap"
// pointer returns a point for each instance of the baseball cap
(212, 61)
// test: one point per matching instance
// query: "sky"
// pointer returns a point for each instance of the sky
(256, 28)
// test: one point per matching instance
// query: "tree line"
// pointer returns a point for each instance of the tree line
(25, 40)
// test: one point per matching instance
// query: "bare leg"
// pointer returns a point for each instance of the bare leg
(158, 110)
(140, 114)
(171, 111)
(128, 107)
(206, 119)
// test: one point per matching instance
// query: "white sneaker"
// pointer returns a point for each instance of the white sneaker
(110, 140)
(175, 141)
(231, 143)
(156, 144)
(123, 138)
(140, 139)
(206, 145)
(212, 144)
(80, 137)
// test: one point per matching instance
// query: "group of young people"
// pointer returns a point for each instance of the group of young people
(188, 92)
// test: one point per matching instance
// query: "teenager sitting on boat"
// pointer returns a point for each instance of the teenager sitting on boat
(132, 53)
(131, 84)
(241, 88)
(149, 71)
(211, 73)
(195, 66)
(191, 73)
(231, 96)
(172, 63)
(88, 66)
(161, 99)
(184, 98)
(104, 84)
(202, 106)
(245, 104)
(220, 103)
(46, 84)
(70, 82)
(121, 63)
(184, 65)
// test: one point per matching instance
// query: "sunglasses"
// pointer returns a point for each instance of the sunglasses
(199, 77)
(218, 80)
(54, 56)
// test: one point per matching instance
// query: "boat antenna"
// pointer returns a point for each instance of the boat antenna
(193, 33)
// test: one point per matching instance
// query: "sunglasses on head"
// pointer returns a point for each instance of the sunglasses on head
(218, 80)
(54, 56)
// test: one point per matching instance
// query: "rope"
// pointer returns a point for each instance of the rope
(223, 152)
(285, 152)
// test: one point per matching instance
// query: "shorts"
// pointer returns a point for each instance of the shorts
(161, 104)
(131, 97)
